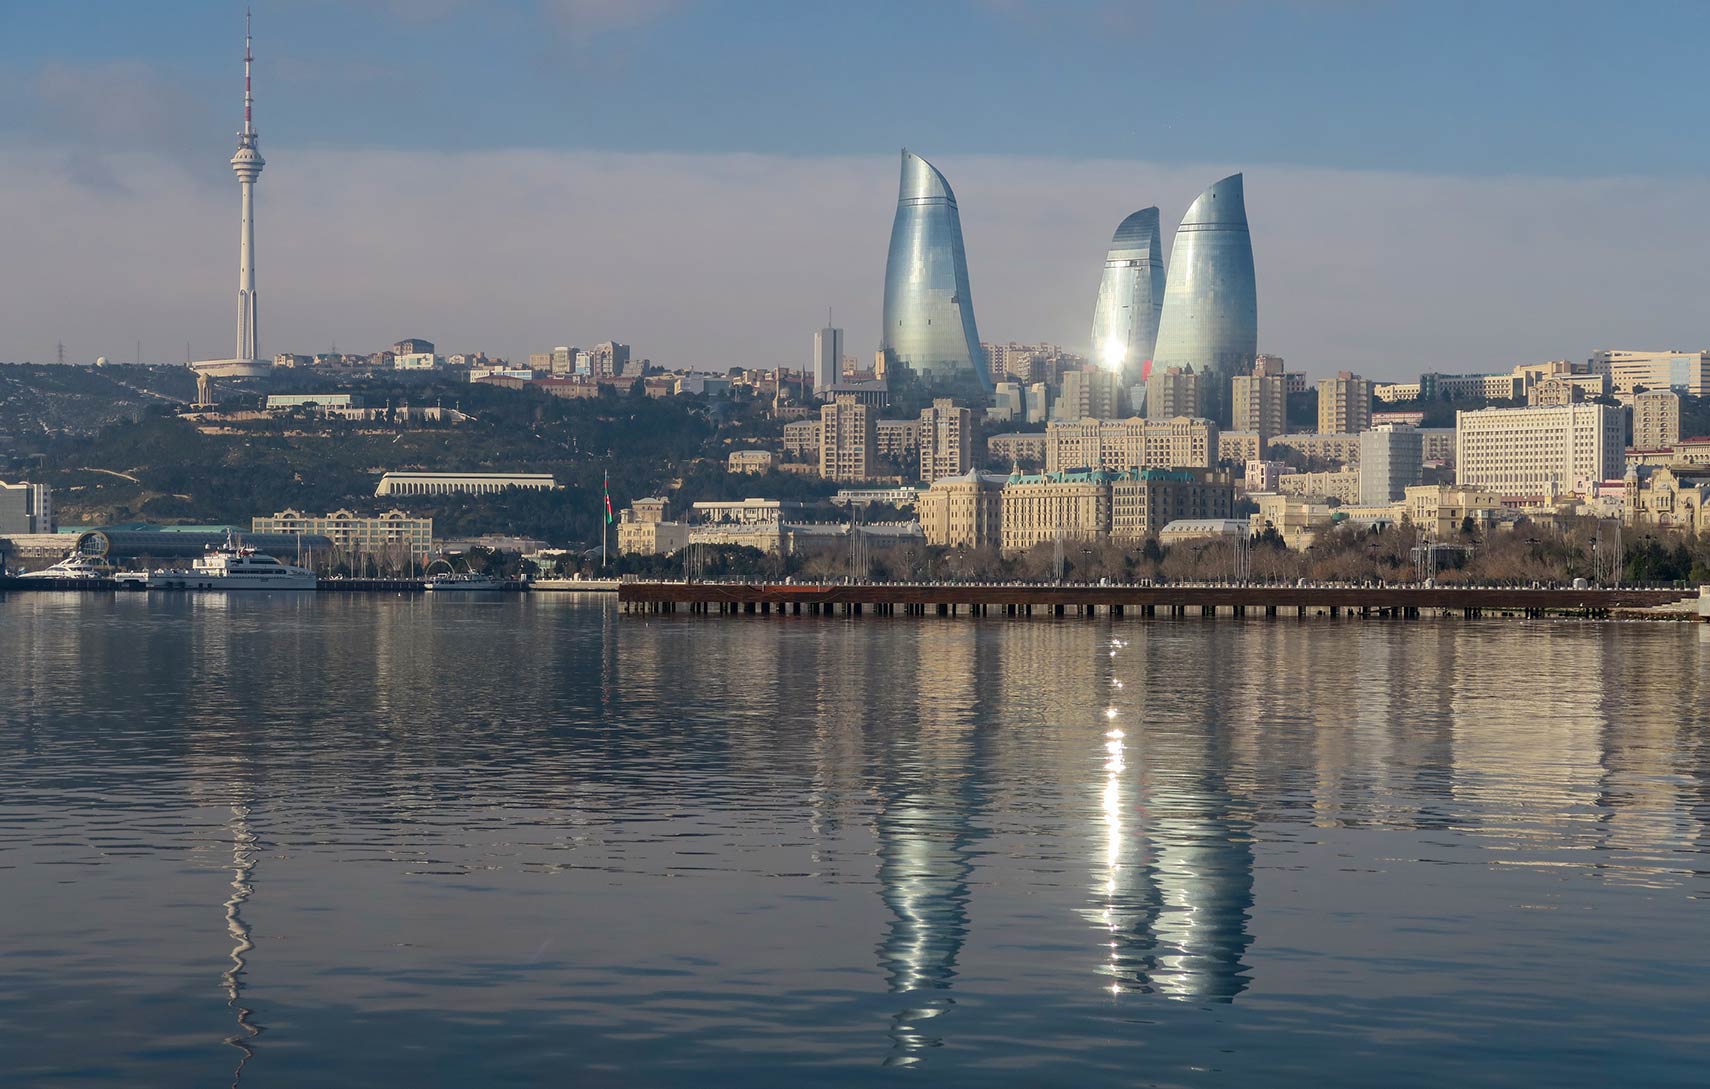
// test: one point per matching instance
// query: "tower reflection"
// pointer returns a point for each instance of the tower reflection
(238, 929)
(1174, 888)
(924, 826)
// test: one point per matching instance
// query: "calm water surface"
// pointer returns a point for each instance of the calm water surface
(330, 840)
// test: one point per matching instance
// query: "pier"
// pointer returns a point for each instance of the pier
(1021, 600)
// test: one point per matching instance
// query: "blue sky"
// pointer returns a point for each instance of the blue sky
(1352, 97)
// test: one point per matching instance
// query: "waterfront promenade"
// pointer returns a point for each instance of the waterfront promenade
(1199, 599)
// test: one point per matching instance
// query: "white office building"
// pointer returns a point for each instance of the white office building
(827, 362)
(1540, 451)
(1392, 459)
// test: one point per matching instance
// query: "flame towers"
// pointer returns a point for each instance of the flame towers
(1210, 319)
(1130, 298)
(929, 313)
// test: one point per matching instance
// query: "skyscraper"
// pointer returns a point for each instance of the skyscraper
(827, 361)
(246, 164)
(1130, 298)
(929, 311)
(1210, 319)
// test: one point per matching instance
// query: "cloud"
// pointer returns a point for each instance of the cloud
(714, 260)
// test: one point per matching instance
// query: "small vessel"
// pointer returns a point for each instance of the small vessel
(74, 566)
(459, 581)
(231, 566)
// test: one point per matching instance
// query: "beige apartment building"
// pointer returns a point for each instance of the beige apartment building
(1088, 391)
(1239, 447)
(1024, 448)
(1441, 509)
(1341, 448)
(1130, 444)
(1172, 392)
(1125, 506)
(1656, 419)
(1341, 484)
(1344, 404)
(963, 511)
(848, 439)
(1260, 403)
(750, 461)
(801, 440)
(946, 440)
(355, 534)
(897, 440)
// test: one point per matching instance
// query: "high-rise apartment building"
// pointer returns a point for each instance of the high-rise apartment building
(25, 508)
(562, 361)
(1683, 372)
(848, 440)
(827, 363)
(1344, 404)
(1656, 419)
(1172, 392)
(1392, 459)
(1210, 319)
(929, 309)
(946, 440)
(1539, 451)
(1130, 299)
(609, 359)
(1088, 391)
(1259, 401)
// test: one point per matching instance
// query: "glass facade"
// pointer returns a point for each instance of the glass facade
(1210, 319)
(1130, 298)
(929, 313)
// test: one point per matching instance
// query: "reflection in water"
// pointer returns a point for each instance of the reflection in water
(237, 927)
(925, 835)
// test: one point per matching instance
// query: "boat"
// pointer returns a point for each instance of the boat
(74, 566)
(231, 566)
(460, 581)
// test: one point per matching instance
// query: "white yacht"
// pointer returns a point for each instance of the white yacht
(74, 566)
(233, 567)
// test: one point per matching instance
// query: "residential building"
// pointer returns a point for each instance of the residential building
(1088, 391)
(1441, 510)
(963, 511)
(1073, 506)
(1263, 476)
(1392, 459)
(1038, 402)
(1009, 402)
(412, 346)
(1172, 392)
(848, 440)
(1210, 317)
(898, 441)
(1025, 449)
(607, 360)
(1144, 501)
(1342, 485)
(460, 483)
(875, 395)
(946, 440)
(1130, 444)
(393, 533)
(750, 461)
(561, 362)
(827, 362)
(1129, 303)
(1239, 447)
(25, 508)
(1656, 419)
(1540, 451)
(1298, 519)
(928, 307)
(417, 361)
(1344, 404)
(1630, 371)
(801, 440)
(1339, 449)
(1259, 401)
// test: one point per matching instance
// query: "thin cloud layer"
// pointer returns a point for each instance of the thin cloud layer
(718, 260)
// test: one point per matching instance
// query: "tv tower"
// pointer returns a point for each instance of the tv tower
(247, 164)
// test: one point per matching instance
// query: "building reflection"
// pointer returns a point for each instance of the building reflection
(238, 929)
(925, 829)
(1172, 893)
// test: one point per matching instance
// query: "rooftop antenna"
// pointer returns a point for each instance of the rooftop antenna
(62, 351)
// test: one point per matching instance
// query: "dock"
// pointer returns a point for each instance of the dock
(1058, 600)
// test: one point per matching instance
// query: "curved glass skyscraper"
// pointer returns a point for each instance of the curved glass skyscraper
(929, 313)
(1130, 298)
(1211, 306)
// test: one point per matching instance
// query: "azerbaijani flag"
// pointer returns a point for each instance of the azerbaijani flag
(608, 492)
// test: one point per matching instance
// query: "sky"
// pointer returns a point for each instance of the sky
(1445, 186)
